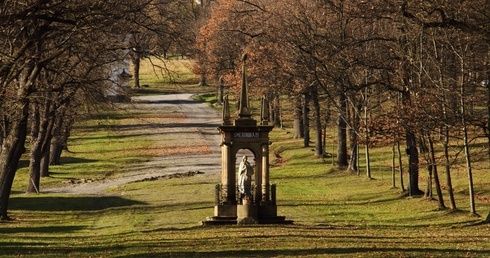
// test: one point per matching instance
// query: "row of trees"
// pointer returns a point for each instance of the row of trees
(392, 71)
(57, 58)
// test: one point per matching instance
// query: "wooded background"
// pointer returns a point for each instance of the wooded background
(409, 75)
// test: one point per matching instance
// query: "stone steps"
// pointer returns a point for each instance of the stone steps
(224, 220)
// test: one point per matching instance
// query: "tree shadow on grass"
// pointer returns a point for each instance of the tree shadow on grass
(74, 160)
(23, 163)
(172, 102)
(391, 251)
(69, 203)
(46, 229)
(46, 249)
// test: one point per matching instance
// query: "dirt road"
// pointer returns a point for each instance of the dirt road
(194, 124)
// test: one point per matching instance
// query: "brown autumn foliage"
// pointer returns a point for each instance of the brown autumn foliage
(405, 62)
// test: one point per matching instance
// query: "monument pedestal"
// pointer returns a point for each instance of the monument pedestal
(268, 211)
(247, 214)
(225, 210)
(224, 214)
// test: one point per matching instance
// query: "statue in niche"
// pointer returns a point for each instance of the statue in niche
(245, 172)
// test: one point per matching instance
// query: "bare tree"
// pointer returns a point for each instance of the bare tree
(399, 51)
(38, 37)
(164, 27)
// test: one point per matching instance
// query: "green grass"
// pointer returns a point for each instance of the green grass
(95, 151)
(336, 213)
(166, 71)
(164, 76)
(210, 98)
(332, 196)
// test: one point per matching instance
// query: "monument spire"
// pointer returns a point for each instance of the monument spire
(244, 108)
(264, 111)
(226, 111)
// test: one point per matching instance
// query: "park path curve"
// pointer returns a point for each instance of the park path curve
(199, 126)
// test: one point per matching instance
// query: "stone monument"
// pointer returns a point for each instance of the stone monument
(245, 197)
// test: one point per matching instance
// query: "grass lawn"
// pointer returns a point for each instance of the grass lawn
(335, 213)
(164, 76)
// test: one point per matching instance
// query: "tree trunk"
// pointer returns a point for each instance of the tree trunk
(353, 152)
(445, 143)
(354, 138)
(366, 124)
(55, 151)
(202, 81)
(422, 145)
(15, 134)
(56, 142)
(447, 165)
(428, 190)
(276, 110)
(45, 150)
(136, 59)
(342, 132)
(298, 131)
(433, 164)
(45, 161)
(10, 156)
(324, 139)
(412, 152)
(35, 152)
(318, 122)
(487, 82)
(60, 134)
(306, 120)
(221, 87)
(400, 166)
(393, 165)
(39, 142)
(413, 165)
(466, 144)
(1, 140)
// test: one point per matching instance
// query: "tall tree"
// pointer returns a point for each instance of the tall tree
(18, 77)
(399, 50)
(318, 121)
(40, 35)
(165, 27)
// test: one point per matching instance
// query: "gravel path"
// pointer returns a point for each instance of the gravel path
(197, 124)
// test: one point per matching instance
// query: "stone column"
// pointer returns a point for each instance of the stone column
(258, 179)
(227, 175)
(224, 172)
(265, 173)
(232, 179)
